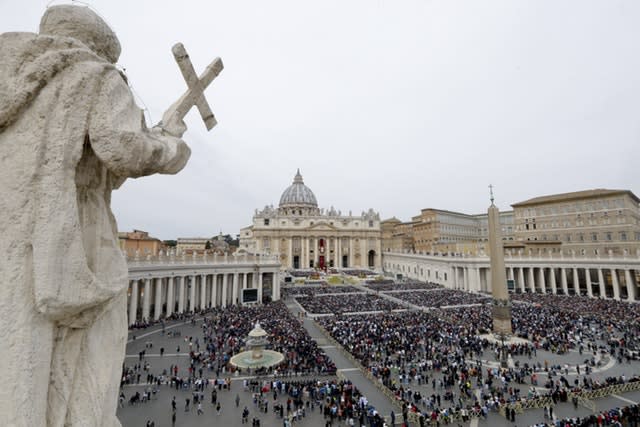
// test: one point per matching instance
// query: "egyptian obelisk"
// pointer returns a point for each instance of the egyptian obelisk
(501, 305)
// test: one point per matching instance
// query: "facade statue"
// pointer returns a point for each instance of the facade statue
(70, 133)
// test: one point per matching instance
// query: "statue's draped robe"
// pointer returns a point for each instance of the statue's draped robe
(70, 132)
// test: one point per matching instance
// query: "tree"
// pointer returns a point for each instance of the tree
(170, 243)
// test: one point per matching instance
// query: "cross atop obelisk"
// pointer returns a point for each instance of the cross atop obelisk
(491, 193)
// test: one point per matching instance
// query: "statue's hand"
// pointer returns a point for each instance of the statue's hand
(171, 124)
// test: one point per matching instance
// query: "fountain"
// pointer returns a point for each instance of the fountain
(256, 356)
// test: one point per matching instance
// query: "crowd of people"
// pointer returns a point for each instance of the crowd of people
(346, 303)
(391, 285)
(627, 416)
(439, 352)
(309, 291)
(441, 298)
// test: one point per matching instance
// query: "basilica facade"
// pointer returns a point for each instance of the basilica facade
(305, 236)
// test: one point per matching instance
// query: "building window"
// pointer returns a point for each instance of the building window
(594, 237)
(623, 236)
(266, 221)
(608, 236)
(370, 224)
(568, 237)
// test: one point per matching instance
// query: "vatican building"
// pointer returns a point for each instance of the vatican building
(305, 236)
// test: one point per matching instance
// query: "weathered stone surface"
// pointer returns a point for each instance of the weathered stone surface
(70, 133)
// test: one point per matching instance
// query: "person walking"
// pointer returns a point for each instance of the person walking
(200, 411)
(218, 408)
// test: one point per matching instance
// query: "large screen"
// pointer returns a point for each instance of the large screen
(249, 295)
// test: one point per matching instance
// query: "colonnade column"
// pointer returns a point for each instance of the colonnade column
(203, 291)
(603, 291)
(244, 280)
(214, 290)
(541, 279)
(133, 303)
(552, 279)
(576, 281)
(465, 279)
(259, 287)
(234, 294)
(631, 285)
(170, 295)
(192, 293)
(587, 276)
(532, 282)
(523, 287)
(616, 284)
(563, 281)
(157, 309)
(146, 299)
(224, 290)
(478, 279)
(181, 294)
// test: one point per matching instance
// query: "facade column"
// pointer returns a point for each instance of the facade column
(563, 281)
(576, 281)
(275, 286)
(181, 295)
(351, 254)
(552, 279)
(244, 280)
(603, 291)
(214, 290)
(523, 287)
(616, 284)
(631, 285)
(260, 287)
(532, 282)
(224, 290)
(146, 301)
(510, 275)
(234, 294)
(133, 302)
(192, 293)
(364, 255)
(157, 309)
(290, 253)
(465, 279)
(478, 279)
(542, 280)
(170, 295)
(587, 275)
(335, 253)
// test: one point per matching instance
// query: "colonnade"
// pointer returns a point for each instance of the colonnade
(614, 279)
(160, 288)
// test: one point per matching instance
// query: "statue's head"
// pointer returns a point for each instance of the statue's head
(83, 24)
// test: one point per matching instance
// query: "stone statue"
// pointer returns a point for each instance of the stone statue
(70, 133)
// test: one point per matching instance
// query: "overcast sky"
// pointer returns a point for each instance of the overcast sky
(391, 105)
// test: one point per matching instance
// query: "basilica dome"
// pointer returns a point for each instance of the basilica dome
(298, 194)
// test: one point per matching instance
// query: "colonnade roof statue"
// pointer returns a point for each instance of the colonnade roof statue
(70, 133)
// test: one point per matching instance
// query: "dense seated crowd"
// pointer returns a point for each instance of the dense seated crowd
(346, 303)
(357, 272)
(391, 285)
(304, 290)
(441, 298)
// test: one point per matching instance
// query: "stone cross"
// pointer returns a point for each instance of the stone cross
(196, 86)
